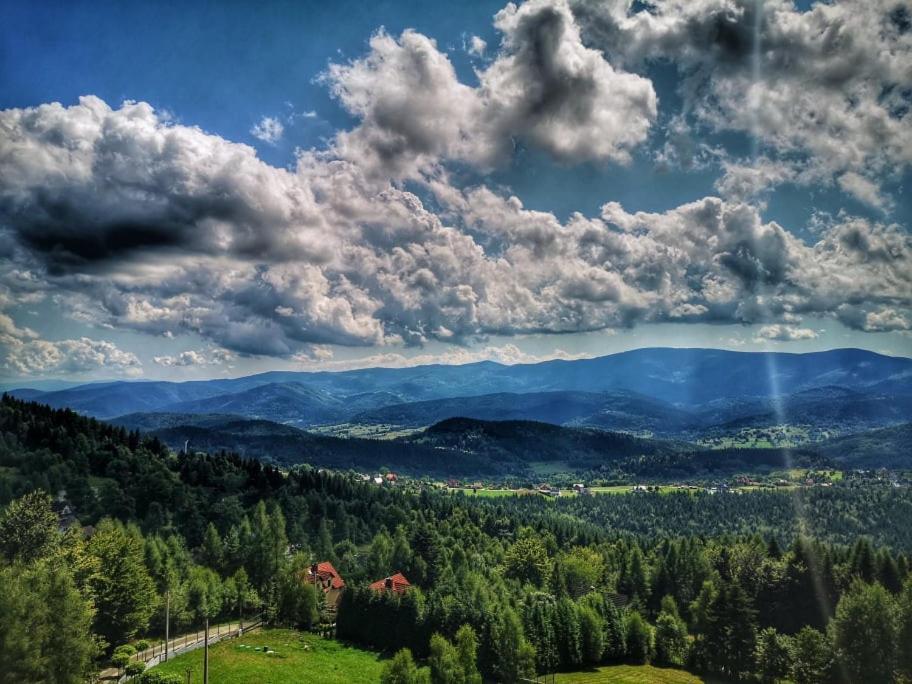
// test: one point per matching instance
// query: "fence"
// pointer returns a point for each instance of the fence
(155, 654)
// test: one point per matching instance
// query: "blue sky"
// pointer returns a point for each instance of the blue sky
(665, 108)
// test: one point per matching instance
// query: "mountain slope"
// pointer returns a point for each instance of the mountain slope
(884, 448)
(612, 410)
(685, 379)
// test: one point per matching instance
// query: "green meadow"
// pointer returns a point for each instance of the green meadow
(293, 657)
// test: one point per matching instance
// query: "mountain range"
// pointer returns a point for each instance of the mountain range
(663, 392)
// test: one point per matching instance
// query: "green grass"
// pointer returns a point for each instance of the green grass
(628, 489)
(299, 657)
(545, 469)
(628, 674)
(488, 492)
(364, 430)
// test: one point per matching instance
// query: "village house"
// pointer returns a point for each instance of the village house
(395, 583)
(66, 516)
(325, 576)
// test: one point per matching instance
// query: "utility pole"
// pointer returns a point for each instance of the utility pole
(206, 654)
(167, 621)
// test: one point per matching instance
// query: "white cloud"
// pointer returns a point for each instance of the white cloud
(508, 354)
(820, 88)
(195, 358)
(134, 222)
(544, 87)
(268, 129)
(477, 46)
(784, 333)
(20, 357)
(863, 190)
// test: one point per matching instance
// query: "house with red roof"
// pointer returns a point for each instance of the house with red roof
(327, 578)
(395, 583)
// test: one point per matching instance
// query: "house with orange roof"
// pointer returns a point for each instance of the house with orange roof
(394, 583)
(327, 578)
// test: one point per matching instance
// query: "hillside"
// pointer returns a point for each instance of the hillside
(686, 379)
(884, 448)
(618, 410)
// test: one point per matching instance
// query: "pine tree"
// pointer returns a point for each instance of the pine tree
(28, 528)
(401, 669)
(639, 638)
(212, 553)
(773, 656)
(467, 651)
(124, 592)
(444, 662)
(904, 629)
(865, 635)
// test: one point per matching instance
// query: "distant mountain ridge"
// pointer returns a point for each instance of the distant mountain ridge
(661, 391)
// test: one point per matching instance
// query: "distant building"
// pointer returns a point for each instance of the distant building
(325, 576)
(548, 490)
(66, 516)
(394, 583)
(391, 478)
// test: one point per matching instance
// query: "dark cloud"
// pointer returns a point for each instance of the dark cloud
(822, 89)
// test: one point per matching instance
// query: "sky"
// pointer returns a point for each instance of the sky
(196, 189)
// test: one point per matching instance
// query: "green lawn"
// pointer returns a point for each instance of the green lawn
(628, 674)
(488, 492)
(298, 657)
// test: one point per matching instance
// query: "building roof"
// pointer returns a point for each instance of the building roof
(327, 575)
(396, 583)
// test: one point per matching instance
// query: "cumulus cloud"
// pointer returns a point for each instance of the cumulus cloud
(508, 354)
(20, 357)
(784, 333)
(544, 88)
(133, 221)
(268, 129)
(826, 87)
(477, 46)
(195, 358)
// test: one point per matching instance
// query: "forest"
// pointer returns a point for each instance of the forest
(752, 587)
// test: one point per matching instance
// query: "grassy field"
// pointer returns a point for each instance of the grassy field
(363, 430)
(628, 674)
(298, 657)
(761, 438)
(616, 489)
(488, 492)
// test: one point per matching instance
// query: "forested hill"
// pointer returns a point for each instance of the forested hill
(674, 392)
(537, 587)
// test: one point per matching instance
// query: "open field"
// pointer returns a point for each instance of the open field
(628, 674)
(298, 657)
(615, 489)
(468, 491)
(363, 430)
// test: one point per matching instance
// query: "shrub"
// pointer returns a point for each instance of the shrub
(120, 659)
(158, 677)
(142, 645)
(135, 668)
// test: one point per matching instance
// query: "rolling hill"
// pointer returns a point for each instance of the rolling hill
(669, 393)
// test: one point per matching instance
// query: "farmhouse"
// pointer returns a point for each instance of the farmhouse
(325, 576)
(395, 583)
